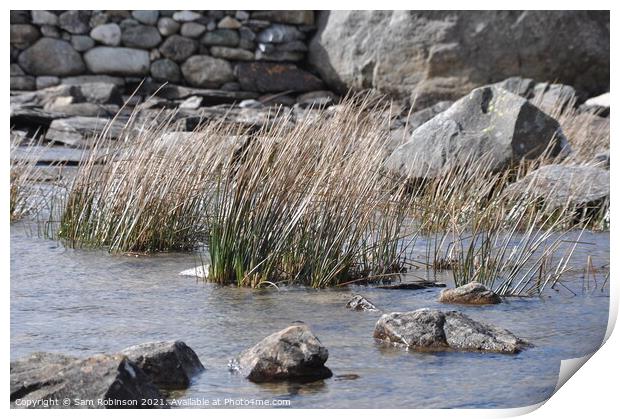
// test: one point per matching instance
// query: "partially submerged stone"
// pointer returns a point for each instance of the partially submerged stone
(201, 271)
(360, 303)
(294, 353)
(170, 365)
(106, 380)
(433, 330)
(490, 126)
(471, 293)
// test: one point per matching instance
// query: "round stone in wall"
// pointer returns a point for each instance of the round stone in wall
(23, 35)
(118, 61)
(51, 57)
(44, 17)
(82, 43)
(205, 71)
(141, 36)
(75, 21)
(108, 34)
(192, 29)
(168, 26)
(165, 70)
(186, 16)
(148, 17)
(178, 48)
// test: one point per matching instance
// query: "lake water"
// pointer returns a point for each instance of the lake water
(87, 302)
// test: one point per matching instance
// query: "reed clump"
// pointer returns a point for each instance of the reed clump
(146, 192)
(309, 205)
(26, 196)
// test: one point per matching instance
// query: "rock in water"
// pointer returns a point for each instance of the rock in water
(463, 333)
(106, 380)
(170, 365)
(472, 293)
(360, 303)
(489, 126)
(560, 185)
(294, 353)
(426, 329)
(415, 329)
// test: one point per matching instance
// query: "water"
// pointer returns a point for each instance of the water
(87, 302)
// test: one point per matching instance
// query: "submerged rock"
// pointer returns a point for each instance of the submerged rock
(418, 285)
(490, 126)
(199, 271)
(360, 303)
(426, 329)
(294, 353)
(106, 380)
(170, 365)
(472, 293)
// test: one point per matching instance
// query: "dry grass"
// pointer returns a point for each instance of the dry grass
(26, 196)
(307, 203)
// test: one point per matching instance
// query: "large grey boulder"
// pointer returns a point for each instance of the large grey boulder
(294, 353)
(170, 365)
(441, 55)
(564, 185)
(47, 380)
(206, 71)
(473, 293)
(426, 329)
(51, 57)
(490, 125)
(118, 61)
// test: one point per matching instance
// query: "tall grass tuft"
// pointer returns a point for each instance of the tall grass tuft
(309, 204)
(147, 192)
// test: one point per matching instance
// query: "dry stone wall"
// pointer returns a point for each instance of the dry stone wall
(233, 50)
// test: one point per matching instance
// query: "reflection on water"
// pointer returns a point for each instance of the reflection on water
(85, 302)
